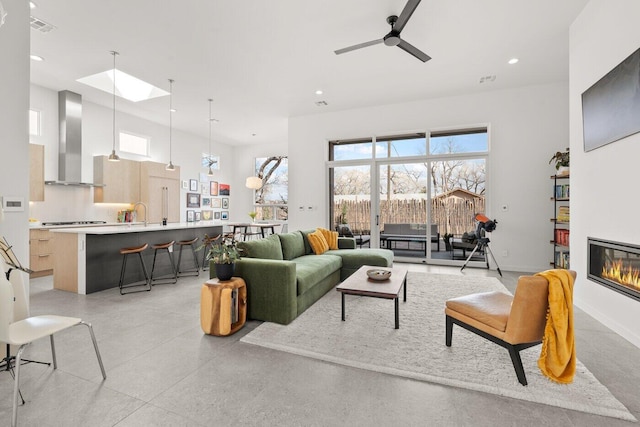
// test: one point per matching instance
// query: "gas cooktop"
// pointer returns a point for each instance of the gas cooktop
(74, 222)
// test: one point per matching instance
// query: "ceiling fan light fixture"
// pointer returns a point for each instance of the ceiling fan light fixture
(392, 39)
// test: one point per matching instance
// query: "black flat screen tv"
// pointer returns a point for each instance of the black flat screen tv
(611, 107)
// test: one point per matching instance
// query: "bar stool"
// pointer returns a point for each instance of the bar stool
(195, 270)
(166, 279)
(207, 244)
(146, 283)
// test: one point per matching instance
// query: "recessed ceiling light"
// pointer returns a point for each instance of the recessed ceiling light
(319, 92)
(32, 5)
(513, 61)
(36, 57)
(173, 110)
(127, 86)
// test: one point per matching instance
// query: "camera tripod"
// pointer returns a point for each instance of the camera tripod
(483, 246)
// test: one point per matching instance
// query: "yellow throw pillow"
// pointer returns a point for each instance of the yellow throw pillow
(318, 243)
(330, 236)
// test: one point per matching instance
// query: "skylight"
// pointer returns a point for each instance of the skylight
(127, 86)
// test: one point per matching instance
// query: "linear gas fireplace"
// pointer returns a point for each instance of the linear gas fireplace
(615, 265)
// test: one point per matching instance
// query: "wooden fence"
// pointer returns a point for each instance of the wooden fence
(453, 215)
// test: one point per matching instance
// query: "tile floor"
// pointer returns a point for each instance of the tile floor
(163, 371)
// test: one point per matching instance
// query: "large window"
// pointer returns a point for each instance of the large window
(271, 201)
(134, 144)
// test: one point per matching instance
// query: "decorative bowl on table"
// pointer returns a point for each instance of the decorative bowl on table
(378, 275)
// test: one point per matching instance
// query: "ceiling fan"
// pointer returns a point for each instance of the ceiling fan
(393, 38)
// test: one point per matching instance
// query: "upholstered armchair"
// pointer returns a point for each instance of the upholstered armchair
(514, 322)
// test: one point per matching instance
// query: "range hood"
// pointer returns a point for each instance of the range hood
(70, 141)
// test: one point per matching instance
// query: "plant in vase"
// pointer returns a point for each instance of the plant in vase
(562, 161)
(224, 254)
(253, 216)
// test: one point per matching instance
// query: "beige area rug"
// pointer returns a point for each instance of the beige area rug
(368, 340)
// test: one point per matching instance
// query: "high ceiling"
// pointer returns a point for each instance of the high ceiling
(262, 60)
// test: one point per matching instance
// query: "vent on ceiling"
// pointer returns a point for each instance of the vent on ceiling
(487, 79)
(321, 103)
(40, 25)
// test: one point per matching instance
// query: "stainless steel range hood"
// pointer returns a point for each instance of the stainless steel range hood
(70, 141)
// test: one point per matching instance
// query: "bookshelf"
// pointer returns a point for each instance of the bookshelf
(561, 220)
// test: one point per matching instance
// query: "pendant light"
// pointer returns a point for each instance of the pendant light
(210, 158)
(170, 166)
(113, 157)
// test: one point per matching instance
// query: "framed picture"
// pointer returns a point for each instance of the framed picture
(204, 188)
(198, 216)
(225, 189)
(206, 202)
(193, 200)
(216, 215)
(193, 185)
(190, 216)
(225, 203)
(213, 188)
(216, 203)
(207, 215)
(185, 184)
(224, 215)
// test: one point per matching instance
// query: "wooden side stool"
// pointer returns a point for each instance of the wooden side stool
(223, 306)
(146, 283)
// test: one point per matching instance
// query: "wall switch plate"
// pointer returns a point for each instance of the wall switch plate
(12, 204)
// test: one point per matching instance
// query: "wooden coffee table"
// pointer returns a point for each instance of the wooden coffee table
(360, 284)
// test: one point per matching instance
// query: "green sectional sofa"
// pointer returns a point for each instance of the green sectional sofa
(284, 277)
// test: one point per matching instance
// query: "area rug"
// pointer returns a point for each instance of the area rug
(368, 340)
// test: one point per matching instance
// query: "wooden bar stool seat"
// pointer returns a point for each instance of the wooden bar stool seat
(146, 283)
(192, 271)
(167, 278)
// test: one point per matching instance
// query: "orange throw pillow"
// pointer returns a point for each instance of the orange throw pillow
(318, 242)
(330, 236)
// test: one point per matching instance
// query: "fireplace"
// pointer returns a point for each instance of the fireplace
(615, 265)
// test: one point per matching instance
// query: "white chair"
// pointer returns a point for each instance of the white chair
(22, 332)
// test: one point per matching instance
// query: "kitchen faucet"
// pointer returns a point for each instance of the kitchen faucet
(145, 211)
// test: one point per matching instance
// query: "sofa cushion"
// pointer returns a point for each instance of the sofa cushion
(292, 245)
(356, 258)
(318, 243)
(267, 248)
(330, 236)
(307, 245)
(311, 269)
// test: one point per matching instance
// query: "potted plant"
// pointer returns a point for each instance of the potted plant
(224, 254)
(253, 215)
(562, 161)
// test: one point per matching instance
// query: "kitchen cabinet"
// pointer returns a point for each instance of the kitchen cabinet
(155, 183)
(121, 180)
(41, 255)
(36, 173)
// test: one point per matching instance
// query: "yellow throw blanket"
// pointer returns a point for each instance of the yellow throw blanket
(558, 355)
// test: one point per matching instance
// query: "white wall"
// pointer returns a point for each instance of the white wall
(604, 202)
(526, 126)
(76, 203)
(14, 121)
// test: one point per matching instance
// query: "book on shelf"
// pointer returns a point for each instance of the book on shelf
(562, 191)
(563, 214)
(562, 259)
(561, 237)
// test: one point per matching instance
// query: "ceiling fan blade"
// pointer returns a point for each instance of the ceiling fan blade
(358, 46)
(408, 10)
(409, 48)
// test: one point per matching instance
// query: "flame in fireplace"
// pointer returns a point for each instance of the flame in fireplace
(625, 275)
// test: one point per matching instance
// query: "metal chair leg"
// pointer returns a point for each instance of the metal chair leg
(95, 346)
(16, 387)
(53, 352)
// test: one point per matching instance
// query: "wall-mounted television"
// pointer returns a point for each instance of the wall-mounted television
(611, 107)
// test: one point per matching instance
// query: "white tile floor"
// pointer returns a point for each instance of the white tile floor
(163, 371)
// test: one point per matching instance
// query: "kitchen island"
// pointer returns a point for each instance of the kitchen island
(88, 258)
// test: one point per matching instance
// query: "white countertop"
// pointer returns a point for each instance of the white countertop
(136, 228)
